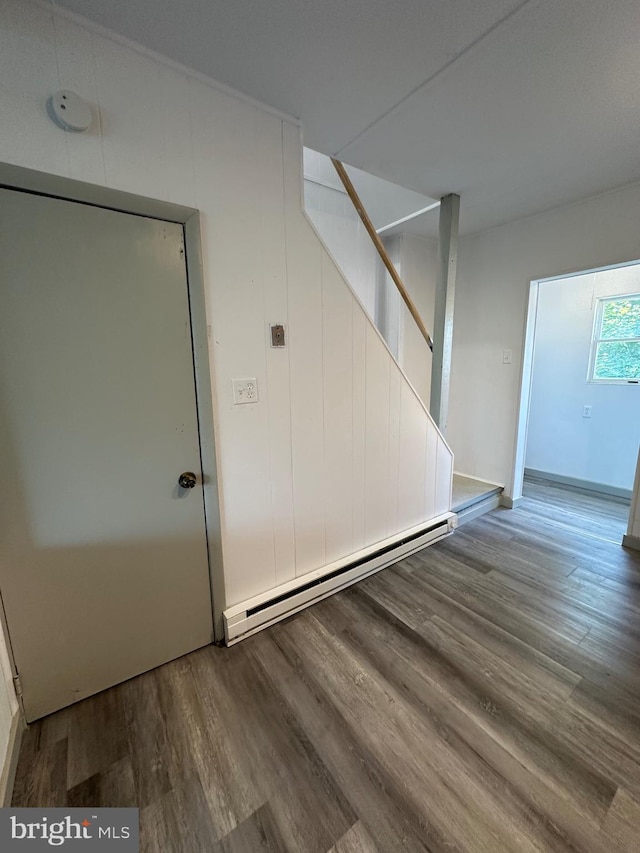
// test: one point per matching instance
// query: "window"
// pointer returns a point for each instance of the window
(615, 350)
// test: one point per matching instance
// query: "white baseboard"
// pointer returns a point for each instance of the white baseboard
(8, 775)
(243, 620)
(623, 495)
(631, 542)
(509, 502)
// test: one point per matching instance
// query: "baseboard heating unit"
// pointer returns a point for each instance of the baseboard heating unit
(250, 616)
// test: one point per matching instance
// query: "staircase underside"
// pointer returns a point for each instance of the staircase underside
(472, 497)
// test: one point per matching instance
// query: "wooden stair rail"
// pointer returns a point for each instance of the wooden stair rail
(377, 242)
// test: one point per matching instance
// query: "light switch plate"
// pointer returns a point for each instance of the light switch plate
(245, 391)
(277, 335)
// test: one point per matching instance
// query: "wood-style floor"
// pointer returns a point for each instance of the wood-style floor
(483, 695)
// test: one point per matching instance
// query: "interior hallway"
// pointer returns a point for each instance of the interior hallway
(482, 695)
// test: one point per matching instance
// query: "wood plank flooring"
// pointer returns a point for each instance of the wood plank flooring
(482, 695)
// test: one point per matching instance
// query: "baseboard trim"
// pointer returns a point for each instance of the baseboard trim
(243, 620)
(623, 495)
(8, 775)
(629, 541)
(510, 503)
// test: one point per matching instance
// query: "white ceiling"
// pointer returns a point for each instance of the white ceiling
(516, 106)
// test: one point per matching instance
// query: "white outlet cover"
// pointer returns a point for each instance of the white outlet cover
(245, 391)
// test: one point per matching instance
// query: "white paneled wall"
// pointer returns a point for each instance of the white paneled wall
(339, 226)
(9, 717)
(338, 453)
(337, 221)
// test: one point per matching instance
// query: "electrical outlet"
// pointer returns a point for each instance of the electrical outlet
(245, 391)
(586, 412)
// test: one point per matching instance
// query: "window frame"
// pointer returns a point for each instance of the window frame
(597, 339)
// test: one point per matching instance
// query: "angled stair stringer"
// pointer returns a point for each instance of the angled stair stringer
(372, 474)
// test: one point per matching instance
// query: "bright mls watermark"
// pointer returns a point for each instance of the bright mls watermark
(104, 830)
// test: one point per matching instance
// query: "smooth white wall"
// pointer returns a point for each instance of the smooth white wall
(338, 453)
(418, 262)
(600, 449)
(495, 269)
(389, 305)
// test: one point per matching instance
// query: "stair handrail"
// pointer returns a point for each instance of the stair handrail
(377, 242)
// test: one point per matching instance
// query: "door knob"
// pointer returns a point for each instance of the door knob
(187, 480)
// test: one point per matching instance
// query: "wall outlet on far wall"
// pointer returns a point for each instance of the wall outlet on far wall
(245, 391)
(586, 411)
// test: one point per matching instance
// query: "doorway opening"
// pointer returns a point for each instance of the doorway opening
(580, 389)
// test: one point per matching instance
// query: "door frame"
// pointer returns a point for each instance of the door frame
(514, 486)
(41, 183)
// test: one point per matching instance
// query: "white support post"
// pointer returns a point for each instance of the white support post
(443, 323)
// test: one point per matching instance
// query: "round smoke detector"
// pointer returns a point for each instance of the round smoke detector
(69, 111)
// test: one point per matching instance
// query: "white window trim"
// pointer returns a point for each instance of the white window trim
(596, 339)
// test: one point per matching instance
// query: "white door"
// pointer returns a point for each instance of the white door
(103, 560)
